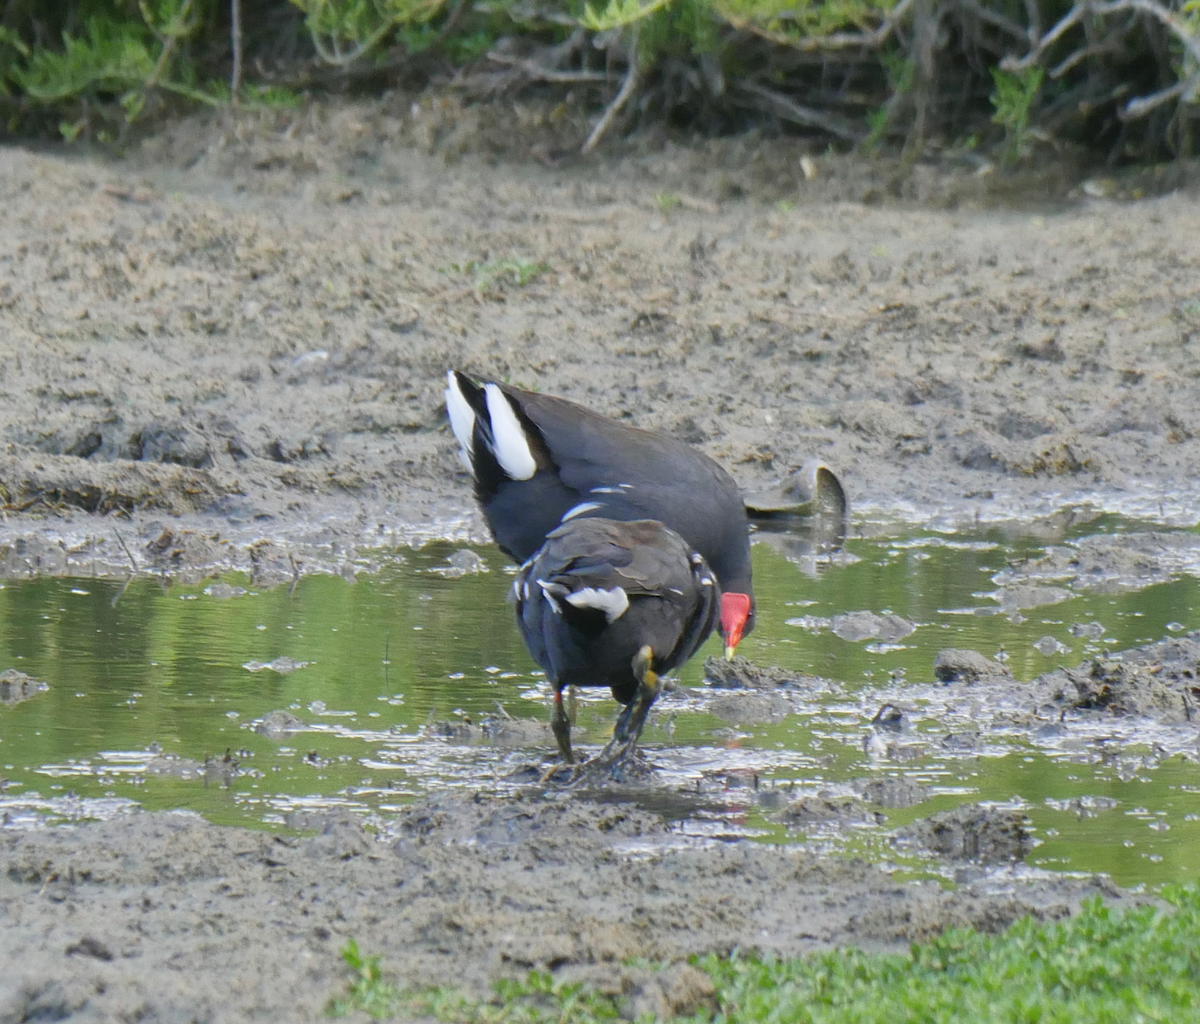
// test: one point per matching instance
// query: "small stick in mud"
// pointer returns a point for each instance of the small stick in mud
(121, 541)
(121, 593)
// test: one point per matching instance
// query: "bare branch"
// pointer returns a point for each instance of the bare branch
(1100, 8)
(1104, 46)
(995, 18)
(1155, 10)
(235, 31)
(1067, 22)
(1141, 106)
(537, 73)
(1034, 14)
(614, 108)
(781, 106)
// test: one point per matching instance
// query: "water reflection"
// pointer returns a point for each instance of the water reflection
(161, 696)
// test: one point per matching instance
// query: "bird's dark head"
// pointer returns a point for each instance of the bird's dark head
(737, 618)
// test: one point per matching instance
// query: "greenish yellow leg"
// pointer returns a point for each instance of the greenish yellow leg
(647, 694)
(560, 725)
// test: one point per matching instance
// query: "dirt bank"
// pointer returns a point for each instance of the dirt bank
(164, 917)
(228, 350)
(253, 318)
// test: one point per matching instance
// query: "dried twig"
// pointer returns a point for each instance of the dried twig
(781, 106)
(995, 18)
(129, 554)
(1155, 10)
(1091, 7)
(1141, 106)
(235, 31)
(1064, 25)
(1034, 14)
(536, 72)
(614, 108)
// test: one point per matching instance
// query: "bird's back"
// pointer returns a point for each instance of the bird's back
(587, 464)
(599, 590)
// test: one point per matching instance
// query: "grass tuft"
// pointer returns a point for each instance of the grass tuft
(495, 272)
(1099, 967)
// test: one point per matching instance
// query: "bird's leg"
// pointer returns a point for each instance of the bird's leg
(621, 726)
(647, 694)
(628, 726)
(560, 724)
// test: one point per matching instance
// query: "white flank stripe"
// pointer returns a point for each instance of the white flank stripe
(612, 490)
(550, 598)
(512, 449)
(462, 416)
(580, 509)
(612, 602)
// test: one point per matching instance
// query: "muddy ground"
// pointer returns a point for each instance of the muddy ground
(226, 349)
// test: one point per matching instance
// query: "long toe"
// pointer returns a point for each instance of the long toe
(618, 762)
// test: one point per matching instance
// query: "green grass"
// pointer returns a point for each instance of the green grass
(1099, 967)
(493, 272)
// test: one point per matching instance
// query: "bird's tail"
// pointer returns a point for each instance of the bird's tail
(497, 440)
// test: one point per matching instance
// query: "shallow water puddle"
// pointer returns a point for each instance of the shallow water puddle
(414, 678)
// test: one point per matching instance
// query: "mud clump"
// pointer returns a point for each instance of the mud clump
(278, 725)
(742, 674)
(972, 832)
(56, 481)
(867, 625)
(500, 730)
(750, 708)
(569, 826)
(16, 686)
(892, 792)
(1125, 688)
(954, 665)
(826, 807)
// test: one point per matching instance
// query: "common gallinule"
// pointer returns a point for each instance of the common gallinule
(540, 461)
(607, 603)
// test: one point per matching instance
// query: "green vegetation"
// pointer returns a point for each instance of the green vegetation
(1013, 100)
(492, 273)
(368, 990)
(537, 999)
(1100, 966)
(1121, 77)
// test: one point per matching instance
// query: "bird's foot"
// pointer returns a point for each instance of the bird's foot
(619, 761)
(562, 772)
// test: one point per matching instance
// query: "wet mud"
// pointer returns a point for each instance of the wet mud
(226, 351)
(166, 915)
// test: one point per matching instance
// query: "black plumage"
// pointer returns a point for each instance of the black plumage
(540, 461)
(607, 603)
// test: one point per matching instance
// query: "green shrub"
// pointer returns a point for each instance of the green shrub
(1121, 77)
